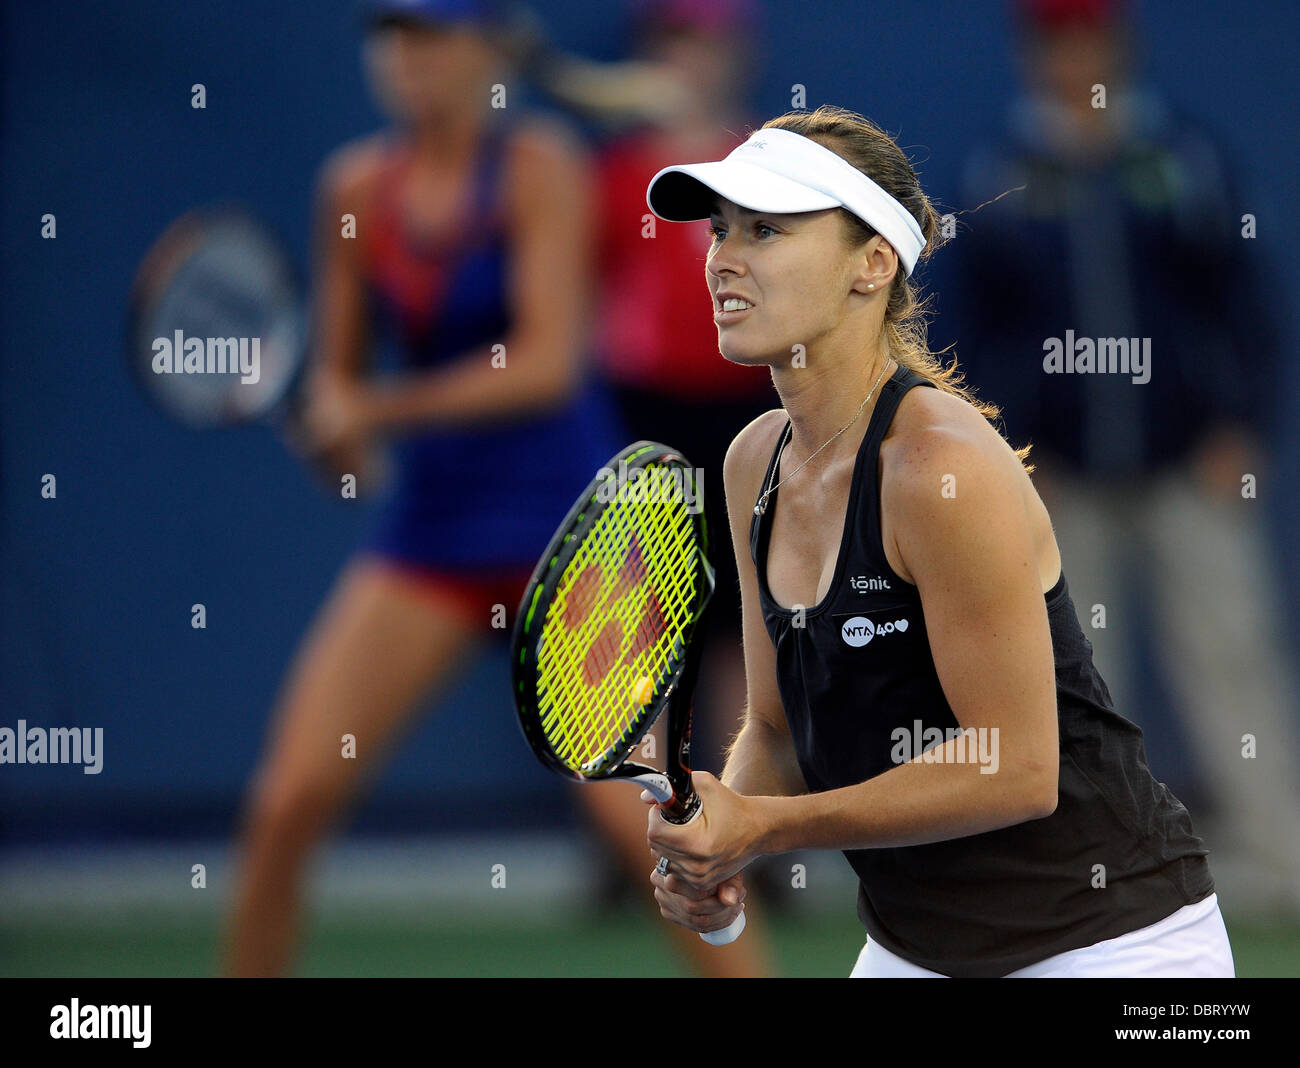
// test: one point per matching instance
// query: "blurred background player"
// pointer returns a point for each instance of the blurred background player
(1128, 227)
(471, 232)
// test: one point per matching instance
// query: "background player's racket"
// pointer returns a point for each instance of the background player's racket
(217, 273)
(604, 639)
(612, 94)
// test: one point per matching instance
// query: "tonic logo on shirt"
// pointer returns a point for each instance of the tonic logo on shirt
(864, 585)
(859, 630)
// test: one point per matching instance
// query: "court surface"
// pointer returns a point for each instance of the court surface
(420, 907)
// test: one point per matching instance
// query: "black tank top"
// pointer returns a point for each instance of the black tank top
(857, 681)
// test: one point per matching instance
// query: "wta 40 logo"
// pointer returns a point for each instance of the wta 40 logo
(859, 630)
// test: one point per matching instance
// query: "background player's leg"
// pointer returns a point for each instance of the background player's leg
(376, 649)
(702, 430)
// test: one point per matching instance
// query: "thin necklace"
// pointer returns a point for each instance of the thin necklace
(761, 507)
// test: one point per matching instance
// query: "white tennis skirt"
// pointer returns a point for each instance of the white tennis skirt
(1189, 943)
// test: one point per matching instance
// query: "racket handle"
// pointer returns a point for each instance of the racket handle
(727, 935)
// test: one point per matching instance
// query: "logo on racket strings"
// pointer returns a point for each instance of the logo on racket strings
(598, 590)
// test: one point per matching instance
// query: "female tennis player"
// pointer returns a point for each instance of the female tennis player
(921, 694)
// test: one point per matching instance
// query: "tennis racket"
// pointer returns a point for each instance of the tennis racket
(605, 638)
(216, 326)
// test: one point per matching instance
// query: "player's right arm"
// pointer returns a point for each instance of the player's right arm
(340, 336)
(761, 759)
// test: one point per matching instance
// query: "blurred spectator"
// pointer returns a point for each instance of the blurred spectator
(1127, 229)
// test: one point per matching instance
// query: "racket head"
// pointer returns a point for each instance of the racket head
(217, 273)
(604, 633)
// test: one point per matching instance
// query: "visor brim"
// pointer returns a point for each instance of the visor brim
(688, 192)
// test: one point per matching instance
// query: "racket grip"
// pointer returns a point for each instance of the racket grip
(727, 935)
(732, 931)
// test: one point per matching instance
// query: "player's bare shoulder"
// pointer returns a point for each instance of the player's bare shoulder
(346, 178)
(934, 424)
(542, 140)
(545, 159)
(940, 447)
(343, 200)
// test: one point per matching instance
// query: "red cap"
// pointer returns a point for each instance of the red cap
(1052, 14)
(713, 17)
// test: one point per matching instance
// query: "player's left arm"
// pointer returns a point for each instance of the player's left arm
(971, 555)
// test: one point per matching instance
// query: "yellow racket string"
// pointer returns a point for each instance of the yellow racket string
(621, 609)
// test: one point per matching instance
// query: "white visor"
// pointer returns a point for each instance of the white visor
(783, 172)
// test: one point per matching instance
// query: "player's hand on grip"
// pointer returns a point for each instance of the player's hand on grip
(699, 910)
(718, 843)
